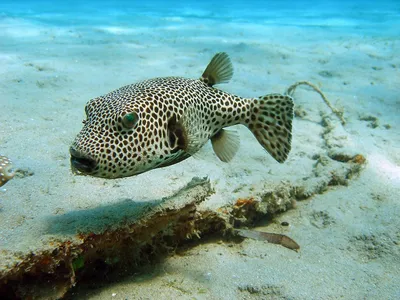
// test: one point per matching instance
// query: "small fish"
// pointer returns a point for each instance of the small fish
(273, 238)
(6, 170)
(160, 122)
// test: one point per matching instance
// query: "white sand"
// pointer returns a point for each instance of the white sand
(349, 236)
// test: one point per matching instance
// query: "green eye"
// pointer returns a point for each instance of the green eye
(130, 120)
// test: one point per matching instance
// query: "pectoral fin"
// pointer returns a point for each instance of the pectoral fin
(183, 133)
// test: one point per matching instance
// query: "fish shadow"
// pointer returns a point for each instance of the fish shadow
(101, 218)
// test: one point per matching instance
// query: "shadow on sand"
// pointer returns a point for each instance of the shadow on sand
(98, 219)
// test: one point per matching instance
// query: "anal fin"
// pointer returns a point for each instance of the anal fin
(225, 144)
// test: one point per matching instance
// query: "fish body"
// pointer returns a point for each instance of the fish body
(6, 170)
(160, 122)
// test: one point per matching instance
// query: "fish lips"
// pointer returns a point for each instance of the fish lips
(81, 162)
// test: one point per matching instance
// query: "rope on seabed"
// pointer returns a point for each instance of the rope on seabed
(338, 113)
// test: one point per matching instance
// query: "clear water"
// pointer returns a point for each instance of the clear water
(56, 55)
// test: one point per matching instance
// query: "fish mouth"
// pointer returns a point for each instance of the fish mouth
(81, 162)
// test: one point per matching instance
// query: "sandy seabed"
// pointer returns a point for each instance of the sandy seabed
(52, 64)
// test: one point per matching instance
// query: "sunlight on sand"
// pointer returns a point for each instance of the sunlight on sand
(384, 167)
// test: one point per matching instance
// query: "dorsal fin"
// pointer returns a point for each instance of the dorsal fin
(219, 70)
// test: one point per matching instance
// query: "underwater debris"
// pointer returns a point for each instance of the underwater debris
(6, 170)
(376, 68)
(273, 238)
(347, 158)
(94, 255)
(359, 159)
(22, 173)
(326, 74)
(246, 211)
(241, 202)
(39, 68)
(290, 91)
(50, 273)
(340, 157)
(78, 262)
(251, 291)
(373, 121)
(300, 112)
(321, 219)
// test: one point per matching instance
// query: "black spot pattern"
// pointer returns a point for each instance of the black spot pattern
(271, 124)
(120, 152)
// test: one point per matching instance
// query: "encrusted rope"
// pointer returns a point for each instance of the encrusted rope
(292, 88)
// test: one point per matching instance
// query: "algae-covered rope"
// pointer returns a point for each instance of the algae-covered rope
(338, 113)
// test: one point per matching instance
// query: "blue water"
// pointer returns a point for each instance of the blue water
(193, 26)
(378, 17)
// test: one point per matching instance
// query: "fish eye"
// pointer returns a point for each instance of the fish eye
(129, 120)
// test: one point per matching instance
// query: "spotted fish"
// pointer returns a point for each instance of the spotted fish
(6, 170)
(160, 122)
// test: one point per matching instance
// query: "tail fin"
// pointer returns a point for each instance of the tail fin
(271, 124)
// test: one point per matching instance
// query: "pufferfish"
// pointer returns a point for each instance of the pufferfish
(6, 170)
(163, 121)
